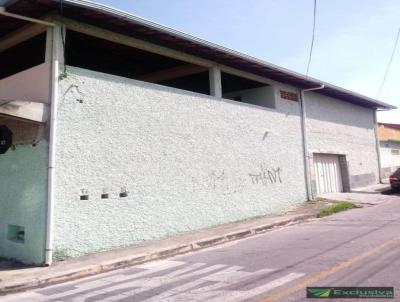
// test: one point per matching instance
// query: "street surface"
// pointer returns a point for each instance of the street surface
(360, 247)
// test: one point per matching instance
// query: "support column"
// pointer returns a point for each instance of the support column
(49, 45)
(215, 82)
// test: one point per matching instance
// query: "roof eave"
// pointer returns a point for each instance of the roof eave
(299, 79)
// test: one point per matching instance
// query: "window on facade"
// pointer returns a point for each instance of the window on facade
(117, 59)
(247, 91)
(23, 56)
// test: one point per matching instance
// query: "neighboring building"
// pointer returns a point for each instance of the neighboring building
(126, 131)
(389, 139)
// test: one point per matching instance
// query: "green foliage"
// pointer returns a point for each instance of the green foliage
(336, 208)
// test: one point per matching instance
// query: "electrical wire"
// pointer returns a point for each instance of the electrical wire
(389, 64)
(312, 38)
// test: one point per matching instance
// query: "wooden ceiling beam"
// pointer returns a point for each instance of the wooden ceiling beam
(21, 35)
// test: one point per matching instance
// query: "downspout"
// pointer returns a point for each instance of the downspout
(304, 139)
(55, 74)
(377, 145)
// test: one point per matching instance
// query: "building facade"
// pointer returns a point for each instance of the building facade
(149, 133)
(389, 141)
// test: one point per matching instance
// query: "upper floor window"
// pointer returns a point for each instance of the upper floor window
(121, 60)
(247, 91)
(23, 56)
(130, 62)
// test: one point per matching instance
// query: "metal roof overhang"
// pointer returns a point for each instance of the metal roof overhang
(127, 24)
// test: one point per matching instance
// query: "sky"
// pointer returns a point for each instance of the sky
(353, 41)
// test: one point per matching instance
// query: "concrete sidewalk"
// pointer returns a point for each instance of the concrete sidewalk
(14, 279)
(371, 195)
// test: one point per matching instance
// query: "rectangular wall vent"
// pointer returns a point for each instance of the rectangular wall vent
(291, 96)
(16, 233)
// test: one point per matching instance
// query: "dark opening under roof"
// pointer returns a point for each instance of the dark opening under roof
(127, 24)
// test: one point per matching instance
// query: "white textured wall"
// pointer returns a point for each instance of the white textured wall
(338, 127)
(390, 162)
(184, 158)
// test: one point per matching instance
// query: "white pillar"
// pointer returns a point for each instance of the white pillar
(49, 45)
(215, 82)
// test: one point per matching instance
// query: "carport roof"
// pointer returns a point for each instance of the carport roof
(124, 23)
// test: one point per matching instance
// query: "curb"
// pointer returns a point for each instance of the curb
(118, 263)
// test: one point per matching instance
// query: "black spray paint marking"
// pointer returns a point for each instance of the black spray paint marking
(215, 178)
(266, 176)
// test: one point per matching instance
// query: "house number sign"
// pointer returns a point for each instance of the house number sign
(5, 139)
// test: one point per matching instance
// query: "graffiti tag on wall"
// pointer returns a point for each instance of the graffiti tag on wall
(219, 181)
(266, 176)
(226, 182)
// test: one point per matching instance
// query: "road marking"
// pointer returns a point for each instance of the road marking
(160, 264)
(147, 283)
(232, 274)
(110, 278)
(183, 282)
(330, 271)
(238, 295)
(186, 287)
(221, 279)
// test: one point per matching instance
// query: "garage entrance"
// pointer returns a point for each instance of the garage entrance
(327, 173)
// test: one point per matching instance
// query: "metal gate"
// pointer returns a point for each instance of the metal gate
(327, 173)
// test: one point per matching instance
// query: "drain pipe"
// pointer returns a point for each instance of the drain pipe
(304, 139)
(56, 56)
(378, 153)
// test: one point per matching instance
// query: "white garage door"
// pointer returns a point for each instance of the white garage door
(327, 173)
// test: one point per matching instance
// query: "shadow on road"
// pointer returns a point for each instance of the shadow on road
(384, 191)
(391, 192)
(8, 265)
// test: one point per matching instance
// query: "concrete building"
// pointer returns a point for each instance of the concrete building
(126, 131)
(389, 141)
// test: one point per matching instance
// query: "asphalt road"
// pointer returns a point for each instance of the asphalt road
(360, 247)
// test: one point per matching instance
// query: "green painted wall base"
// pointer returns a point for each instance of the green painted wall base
(23, 200)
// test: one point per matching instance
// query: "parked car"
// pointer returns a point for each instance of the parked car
(395, 180)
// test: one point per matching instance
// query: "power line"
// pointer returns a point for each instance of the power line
(389, 64)
(312, 38)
